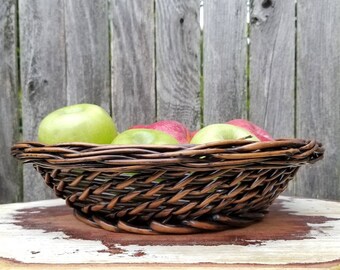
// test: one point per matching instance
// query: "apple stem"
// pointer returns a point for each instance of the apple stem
(248, 137)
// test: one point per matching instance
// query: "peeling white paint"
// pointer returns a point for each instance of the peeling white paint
(38, 246)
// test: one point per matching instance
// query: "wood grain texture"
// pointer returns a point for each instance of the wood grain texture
(153, 46)
(87, 52)
(318, 94)
(281, 241)
(272, 66)
(178, 61)
(65, 60)
(43, 74)
(132, 64)
(10, 169)
(225, 60)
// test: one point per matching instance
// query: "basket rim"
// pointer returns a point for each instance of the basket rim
(227, 153)
(276, 142)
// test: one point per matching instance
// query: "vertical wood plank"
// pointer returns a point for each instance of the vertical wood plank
(65, 49)
(178, 61)
(272, 61)
(132, 64)
(43, 74)
(10, 169)
(318, 94)
(225, 60)
(87, 52)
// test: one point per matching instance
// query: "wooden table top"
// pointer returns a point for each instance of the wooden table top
(296, 234)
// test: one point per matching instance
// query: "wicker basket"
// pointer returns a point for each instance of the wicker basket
(173, 189)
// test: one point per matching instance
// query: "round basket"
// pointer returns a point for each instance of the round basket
(172, 189)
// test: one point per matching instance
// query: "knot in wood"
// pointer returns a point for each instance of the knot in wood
(267, 3)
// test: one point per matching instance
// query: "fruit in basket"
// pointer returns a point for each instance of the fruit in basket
(193, 133)
(260, 133)
(88, 123)
(219, 132)
(174, 128)
(144, 136)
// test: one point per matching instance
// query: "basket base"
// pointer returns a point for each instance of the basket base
(214, 223)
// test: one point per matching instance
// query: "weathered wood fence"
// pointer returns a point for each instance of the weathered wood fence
(144, 60)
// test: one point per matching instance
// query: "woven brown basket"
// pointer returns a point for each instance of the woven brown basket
(150, 189)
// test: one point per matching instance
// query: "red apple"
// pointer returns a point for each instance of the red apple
(260, 133)
(171, 127)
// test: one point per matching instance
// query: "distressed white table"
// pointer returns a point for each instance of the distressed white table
(296, 234)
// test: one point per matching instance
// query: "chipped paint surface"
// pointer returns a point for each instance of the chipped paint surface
(296, 231)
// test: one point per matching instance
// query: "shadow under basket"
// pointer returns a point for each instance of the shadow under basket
(169, 189)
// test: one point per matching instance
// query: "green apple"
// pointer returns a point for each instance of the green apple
(219, 132)
(174, 128)
(77, 123)
(144, 136)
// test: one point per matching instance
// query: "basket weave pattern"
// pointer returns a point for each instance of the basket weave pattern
(150, 189)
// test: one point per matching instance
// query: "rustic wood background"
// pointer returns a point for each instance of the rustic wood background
(147, 60)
